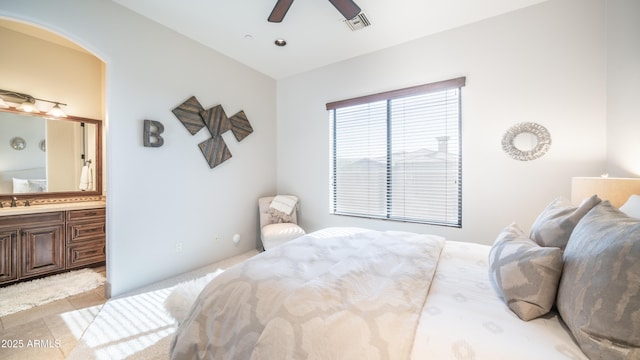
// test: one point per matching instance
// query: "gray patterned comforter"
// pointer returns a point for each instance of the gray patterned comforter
(344, 296)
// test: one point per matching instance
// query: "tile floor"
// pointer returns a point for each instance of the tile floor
(49, 331)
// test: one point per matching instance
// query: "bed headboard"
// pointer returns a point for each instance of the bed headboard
(616, 190)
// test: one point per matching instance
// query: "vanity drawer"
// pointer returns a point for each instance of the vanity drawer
(82, 231)
(32, 219)
(85, 254)
(85, 214)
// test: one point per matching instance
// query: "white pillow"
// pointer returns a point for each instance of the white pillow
(632, 206)
(20, 186)
(37, 185)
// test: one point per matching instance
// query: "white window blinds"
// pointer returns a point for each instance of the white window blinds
(397, 155)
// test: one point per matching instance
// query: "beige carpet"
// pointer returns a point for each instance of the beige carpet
(25, 295)
(139, 325)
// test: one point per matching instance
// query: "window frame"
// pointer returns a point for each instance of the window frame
(388, 97)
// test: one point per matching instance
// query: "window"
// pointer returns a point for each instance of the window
(397, 155)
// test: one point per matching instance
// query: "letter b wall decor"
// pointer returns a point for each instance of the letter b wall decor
(151, 133)
(194, 117)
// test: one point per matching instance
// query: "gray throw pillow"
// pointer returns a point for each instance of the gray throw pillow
(525, 274)
(599, 293)
(556, 222)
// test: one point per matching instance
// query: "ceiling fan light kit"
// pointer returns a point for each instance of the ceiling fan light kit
(347, 8)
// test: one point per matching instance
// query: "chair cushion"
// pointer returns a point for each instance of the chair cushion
(275, 234)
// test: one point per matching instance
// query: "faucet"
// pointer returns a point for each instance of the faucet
(13, 201)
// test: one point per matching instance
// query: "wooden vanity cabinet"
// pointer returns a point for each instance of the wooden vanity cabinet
(42, 250)
(8, 255)
(37, 245)
(85, 237)
(46, 243)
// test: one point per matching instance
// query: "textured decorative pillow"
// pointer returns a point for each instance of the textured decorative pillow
(525, 273)
(37, 185)
(278, 217)
(599, 293)
(556, 222)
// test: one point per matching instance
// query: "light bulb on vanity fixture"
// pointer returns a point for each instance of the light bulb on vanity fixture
(29, 106)
(27, 103)
(56, 111)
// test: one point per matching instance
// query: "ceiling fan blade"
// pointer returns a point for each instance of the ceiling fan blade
(347, 8)
(280, 10)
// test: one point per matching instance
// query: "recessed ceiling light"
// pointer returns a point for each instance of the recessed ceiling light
(248, 37)
(280, 42)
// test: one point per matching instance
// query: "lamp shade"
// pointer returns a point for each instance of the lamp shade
(616, 190)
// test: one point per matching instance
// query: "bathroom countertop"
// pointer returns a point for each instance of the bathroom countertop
(33, 209)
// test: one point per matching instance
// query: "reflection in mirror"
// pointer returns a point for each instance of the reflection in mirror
(59, 157)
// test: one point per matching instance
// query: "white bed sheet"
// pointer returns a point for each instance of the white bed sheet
(464, 318)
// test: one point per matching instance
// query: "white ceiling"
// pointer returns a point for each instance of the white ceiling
(313, 29)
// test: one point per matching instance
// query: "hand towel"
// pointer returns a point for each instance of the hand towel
(85, 178)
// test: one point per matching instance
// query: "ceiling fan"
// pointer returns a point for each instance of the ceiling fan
(347, 8)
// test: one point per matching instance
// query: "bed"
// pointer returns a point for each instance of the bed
(570, 289)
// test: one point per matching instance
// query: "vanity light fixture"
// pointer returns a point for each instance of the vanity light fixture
(28, 103)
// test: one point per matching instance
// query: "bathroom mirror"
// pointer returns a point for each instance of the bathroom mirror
(55, 157)
(526, 141)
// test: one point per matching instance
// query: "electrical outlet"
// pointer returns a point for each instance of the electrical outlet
(179, 247)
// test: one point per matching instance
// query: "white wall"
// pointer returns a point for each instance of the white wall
(542, 64)
(157, 197)
(623, 79)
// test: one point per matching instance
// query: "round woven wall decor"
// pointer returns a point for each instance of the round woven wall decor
(543, 141)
